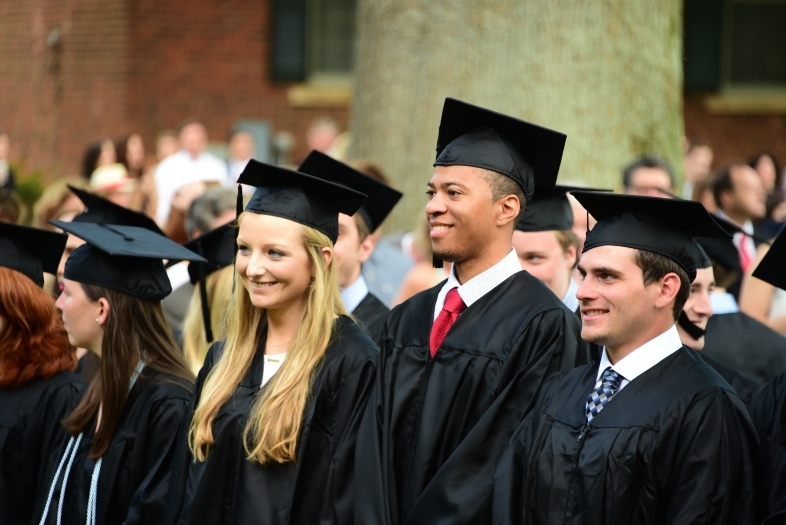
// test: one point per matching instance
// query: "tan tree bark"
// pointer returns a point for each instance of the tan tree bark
(608, 73)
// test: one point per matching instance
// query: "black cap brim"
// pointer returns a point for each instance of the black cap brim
(30, 251)
(381, 197)
(101, 210)
(550, 210)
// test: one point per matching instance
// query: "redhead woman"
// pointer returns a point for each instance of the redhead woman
(279, 401)
(116, 465)
(36, 386)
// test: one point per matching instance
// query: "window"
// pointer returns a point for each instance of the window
(312, 39)
(735, 44)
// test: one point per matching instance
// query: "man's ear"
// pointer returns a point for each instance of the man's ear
(366, 247)
(669, 288)
(509, 207)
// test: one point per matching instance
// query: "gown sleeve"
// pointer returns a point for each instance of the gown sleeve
(350, 403)
(712, 458)
(154, 456)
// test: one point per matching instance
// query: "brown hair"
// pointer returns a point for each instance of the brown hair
(34, 344)
(655, 266)
(135, 330)
(722, 181)
(363, 229)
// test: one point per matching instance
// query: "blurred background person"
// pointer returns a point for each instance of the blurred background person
(214, 208)
(697, 164)
(240, 149)
(131, 154)
(10, 207)
(769, 170)
(192, 163)
(741, 199)
(57, 202)
(762, 301)
(322, 132)
(113, 183)
(702, 192)
(649, 176)
(7, 177)
(99, 153)
(167, 144)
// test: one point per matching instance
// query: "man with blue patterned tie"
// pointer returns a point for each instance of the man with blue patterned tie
(649, 433)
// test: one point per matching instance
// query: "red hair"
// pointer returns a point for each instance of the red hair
(33, 343)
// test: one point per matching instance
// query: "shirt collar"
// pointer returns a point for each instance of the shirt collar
(484, 282)
(570, 300)
(644, 357)
(747, 227)
(354, 294)
(723, 303)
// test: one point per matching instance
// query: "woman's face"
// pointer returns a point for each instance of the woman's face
(135, 152)
(83, 318)
(273, 262)
(108, 154)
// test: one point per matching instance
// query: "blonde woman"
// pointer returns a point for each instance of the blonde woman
(279, 401)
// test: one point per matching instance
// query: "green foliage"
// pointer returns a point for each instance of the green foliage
(29, 187)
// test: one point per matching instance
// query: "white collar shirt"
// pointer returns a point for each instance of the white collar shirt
(354, 294)
(643, 358)
(481, 284)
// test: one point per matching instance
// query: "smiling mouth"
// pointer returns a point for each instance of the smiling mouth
(263, 285)
(437, 229)
(589, 312)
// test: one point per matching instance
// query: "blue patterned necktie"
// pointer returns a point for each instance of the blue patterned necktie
(609, 383)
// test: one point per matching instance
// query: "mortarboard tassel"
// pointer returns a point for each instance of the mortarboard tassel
(694, 331)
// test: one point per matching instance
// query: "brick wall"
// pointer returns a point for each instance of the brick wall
(735, 136)
(135, 66)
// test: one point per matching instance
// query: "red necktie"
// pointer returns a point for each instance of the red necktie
(453, 306)
(745, 256)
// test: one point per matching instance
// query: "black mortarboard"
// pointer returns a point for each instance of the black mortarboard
(550, 210)
(381, 197)
(30, 251)
(722, 252)
(772, 267)
(733, 229)
(473, 136)
(700, 256)
(123, 258)
(302, 198)
(663, 226)
(99, 209)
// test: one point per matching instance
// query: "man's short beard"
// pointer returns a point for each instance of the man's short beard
(450, 256)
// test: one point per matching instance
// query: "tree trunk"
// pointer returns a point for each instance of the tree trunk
(606, 73)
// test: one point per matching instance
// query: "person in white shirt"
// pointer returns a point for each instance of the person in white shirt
(191, 164)
(460, 362)
(240, 149)
(650, 433)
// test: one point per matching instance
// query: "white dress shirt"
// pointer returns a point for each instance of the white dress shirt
(481, 284)
(570, 300)
(723, 303)
(354, 294)
(643, 358)
(180, 169)
(272, 363)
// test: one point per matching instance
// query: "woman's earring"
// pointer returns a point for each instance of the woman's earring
(97, 322)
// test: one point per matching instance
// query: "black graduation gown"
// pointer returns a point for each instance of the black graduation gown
(435, 428)
(768, 412)
(29, 429)
(370, 314)
(746, 345)
(229, 489)
(136, 469)
(743, 384)
(676, 445)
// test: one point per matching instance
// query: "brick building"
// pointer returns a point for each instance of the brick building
(74, 71)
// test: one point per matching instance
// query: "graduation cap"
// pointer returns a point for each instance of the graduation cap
(550, 210)
(702, 261)
(663, 226)
(99, 209)
(381, 197)
(218, 248)
(123, 258)
(30, 251)
(473, 136)
(733, 229)
(722, 252)
(771, 268)
(296, 196)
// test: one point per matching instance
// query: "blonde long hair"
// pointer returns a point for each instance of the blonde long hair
(274, 423)
(219, 291)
